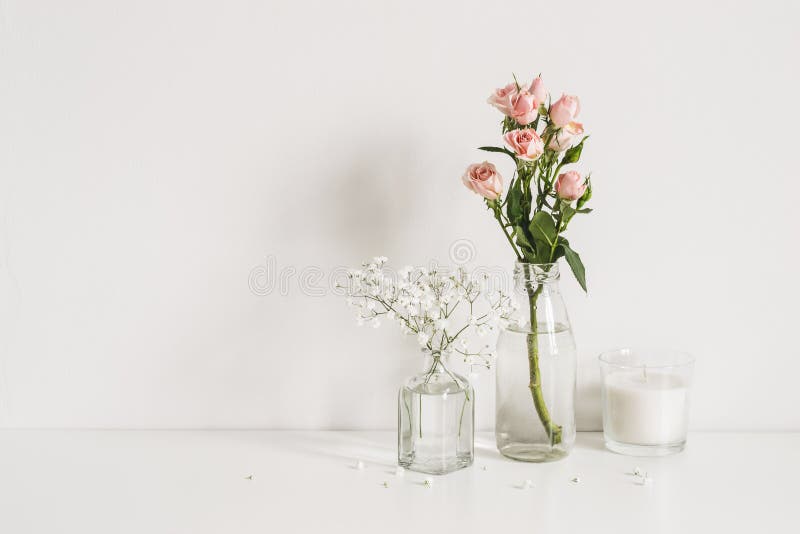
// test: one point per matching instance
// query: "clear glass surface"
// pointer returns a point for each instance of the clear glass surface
(645, 396)
(436, 411)
(535, 369)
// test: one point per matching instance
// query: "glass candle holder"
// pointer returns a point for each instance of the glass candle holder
(645, 396)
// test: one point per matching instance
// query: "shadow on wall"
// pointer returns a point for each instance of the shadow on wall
(363, 207)
(371, 198)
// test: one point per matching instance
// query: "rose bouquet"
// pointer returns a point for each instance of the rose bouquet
(542, 138)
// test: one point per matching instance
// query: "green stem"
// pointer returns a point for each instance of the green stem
(553, 430)
(498, 215)
(461, 417)
(408, 412)
(553, 245)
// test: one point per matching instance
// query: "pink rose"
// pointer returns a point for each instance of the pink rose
(524, 107)
(501, 98)
(570, 185)
(526, 143)
(564, 110)
(537, 89)
(562, 139)
(483, 178)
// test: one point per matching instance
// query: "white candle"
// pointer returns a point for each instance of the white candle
(645, 407)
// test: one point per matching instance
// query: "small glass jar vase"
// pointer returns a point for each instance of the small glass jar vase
(535, 370)
(436, 410)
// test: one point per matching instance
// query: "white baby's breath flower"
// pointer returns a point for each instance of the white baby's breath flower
(430, 303)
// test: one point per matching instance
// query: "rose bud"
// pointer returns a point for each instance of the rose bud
(525, 107)
(563, 138)
(570, 186)
(564, 110)
(537, 89)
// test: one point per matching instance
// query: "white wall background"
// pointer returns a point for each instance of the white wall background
(153, 153)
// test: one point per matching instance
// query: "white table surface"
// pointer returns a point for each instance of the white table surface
(195, 482)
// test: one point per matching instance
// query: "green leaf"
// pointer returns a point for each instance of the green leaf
(567, 213)
(543, 252)
(575, 263)
(586, 210)
(586, 194)
(513, 207)
(500, 150)
(559, 252)
(523, 242)
(543, 228)
(574, 154)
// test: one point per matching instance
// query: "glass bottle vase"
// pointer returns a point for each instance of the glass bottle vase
(535, 370)
(436, 410)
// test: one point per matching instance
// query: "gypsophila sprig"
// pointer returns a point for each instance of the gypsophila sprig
(441, 309)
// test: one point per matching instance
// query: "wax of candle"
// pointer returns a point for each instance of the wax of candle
(645, 407)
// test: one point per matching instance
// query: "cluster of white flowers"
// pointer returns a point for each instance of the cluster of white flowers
(428, 304)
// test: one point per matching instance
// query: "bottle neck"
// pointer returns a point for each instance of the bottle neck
(436, 362)
(535, 278)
